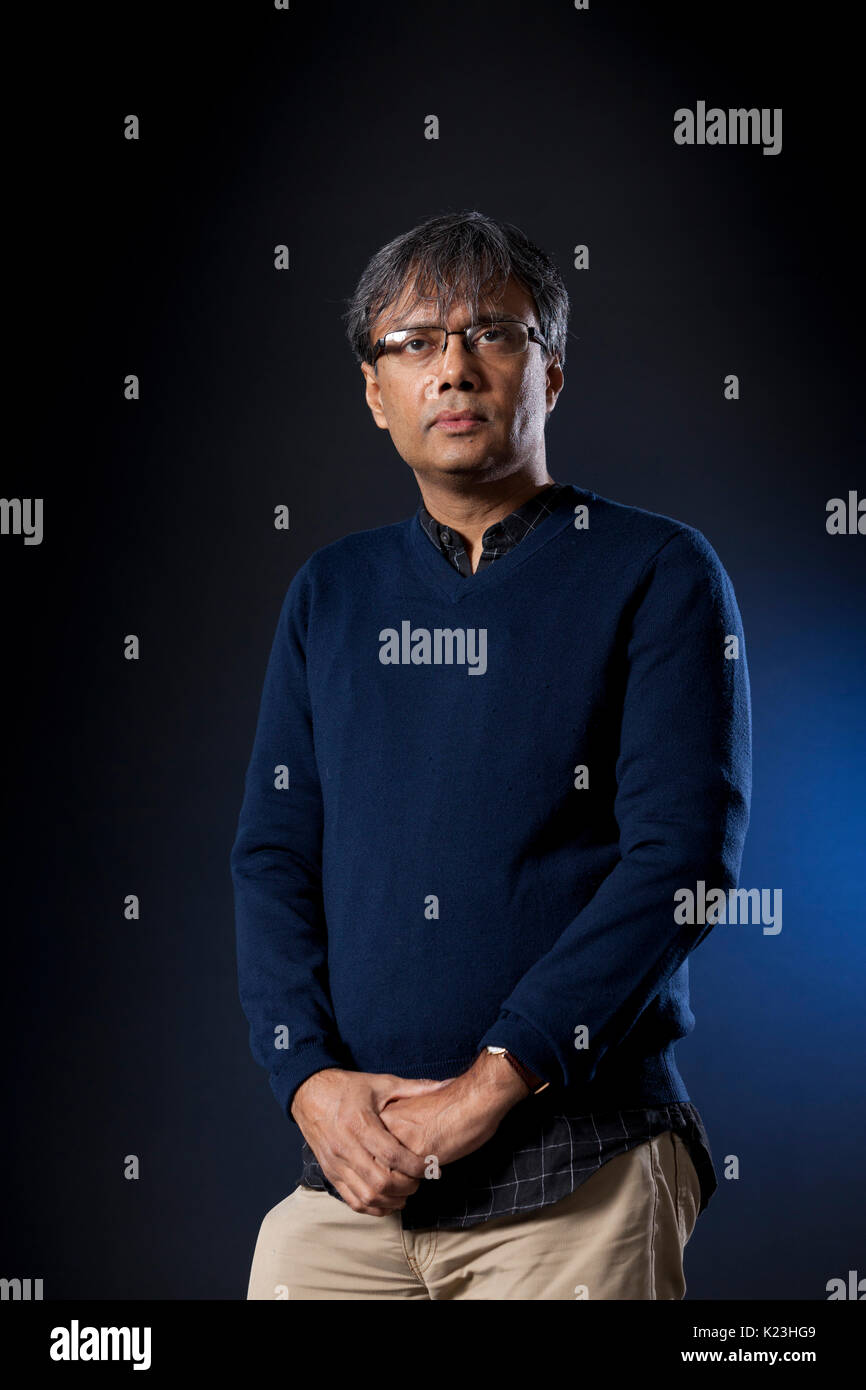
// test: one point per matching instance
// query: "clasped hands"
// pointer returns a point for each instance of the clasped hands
(372, 1133)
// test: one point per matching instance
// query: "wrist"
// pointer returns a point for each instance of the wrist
(308, 1087)
(495, 1079)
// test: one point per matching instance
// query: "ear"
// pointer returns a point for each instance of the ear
(555, 382)
(373, 395)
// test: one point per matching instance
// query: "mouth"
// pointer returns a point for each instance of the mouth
(459, 423)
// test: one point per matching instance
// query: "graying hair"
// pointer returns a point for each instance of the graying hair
(454, 257)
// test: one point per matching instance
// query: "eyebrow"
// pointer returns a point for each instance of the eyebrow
(482, 318)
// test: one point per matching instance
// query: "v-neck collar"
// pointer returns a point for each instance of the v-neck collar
(455, 586)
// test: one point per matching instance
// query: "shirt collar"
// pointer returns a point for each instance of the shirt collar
(502, 535)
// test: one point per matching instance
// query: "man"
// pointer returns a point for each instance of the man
(495, 740)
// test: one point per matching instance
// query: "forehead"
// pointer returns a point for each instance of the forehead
(411, 308)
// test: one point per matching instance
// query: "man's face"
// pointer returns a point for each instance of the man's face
(512, 395)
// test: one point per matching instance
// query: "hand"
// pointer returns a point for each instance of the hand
(459, 1117)
(338, 1114)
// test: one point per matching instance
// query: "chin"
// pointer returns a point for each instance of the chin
(459, 468)
(462, 461)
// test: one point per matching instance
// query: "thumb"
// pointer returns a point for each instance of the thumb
(397, 1087)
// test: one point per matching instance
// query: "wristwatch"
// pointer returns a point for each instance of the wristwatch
(535, 1084)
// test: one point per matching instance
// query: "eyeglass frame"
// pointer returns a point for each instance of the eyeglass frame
(534, 336)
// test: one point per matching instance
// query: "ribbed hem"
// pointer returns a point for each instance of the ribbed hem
(526, 1044)
(621, 1079)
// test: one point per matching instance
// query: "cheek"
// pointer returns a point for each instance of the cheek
(399, 413)
(407, 410)
(525, 403)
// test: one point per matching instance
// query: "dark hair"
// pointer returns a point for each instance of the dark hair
(454, 256)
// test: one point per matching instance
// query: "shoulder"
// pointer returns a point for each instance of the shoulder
(351, 559)
(648, 539)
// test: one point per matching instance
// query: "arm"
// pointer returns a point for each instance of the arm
(682, 806)
(276, 873)
(282, 945)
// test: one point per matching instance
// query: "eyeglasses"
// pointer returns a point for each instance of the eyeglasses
(418, 347)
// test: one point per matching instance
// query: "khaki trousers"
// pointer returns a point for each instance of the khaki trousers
(620, 1235)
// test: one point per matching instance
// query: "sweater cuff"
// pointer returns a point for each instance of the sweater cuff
(525, 1043)
(284, 1083)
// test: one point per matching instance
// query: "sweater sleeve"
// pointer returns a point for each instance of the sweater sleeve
(683, 777)
(276, 864)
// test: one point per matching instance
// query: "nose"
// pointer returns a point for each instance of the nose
(457, 366)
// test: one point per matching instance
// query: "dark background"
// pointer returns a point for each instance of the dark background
(306, 127)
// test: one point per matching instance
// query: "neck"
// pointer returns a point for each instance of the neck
(470, 511)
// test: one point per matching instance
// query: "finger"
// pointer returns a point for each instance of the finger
(361, 1190)
(354, 1171)
(354, 1153)
(402, 1086)
(379, 1144)
(410, 1133)
(399, 1088)
(389, 1151)
(351, 1198)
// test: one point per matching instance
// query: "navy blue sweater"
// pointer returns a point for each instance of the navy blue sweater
(471, 801)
